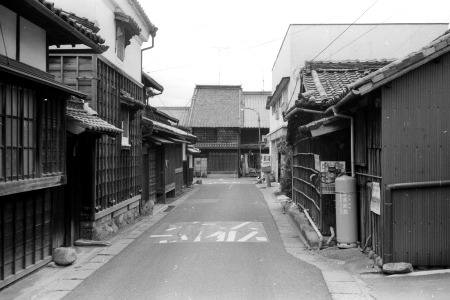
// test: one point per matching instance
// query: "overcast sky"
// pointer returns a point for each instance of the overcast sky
(237, 41)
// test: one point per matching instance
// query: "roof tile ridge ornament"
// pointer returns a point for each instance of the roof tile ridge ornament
(319, 87)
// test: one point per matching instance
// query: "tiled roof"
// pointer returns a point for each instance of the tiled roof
(62, 27)
(436, 48)
(151, 28)
(326, 82)
(179, 113)
(216, 106)
(85, 118)
(158, 126)
(148, 81)
(128, 100)
(256, 101)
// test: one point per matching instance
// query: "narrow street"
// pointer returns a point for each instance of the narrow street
(221, 243)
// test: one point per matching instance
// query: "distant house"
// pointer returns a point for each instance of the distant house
(109, 182)
(255, 125)
(400, 153)
(35, 213)
(224, 118)
(167, 161)
(306, 42)
(215, 118)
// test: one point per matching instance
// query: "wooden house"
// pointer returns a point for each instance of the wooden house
(304, 42)
(400, 155)
(178, 118)
(113, 83)
(255, 124)
(215, 118)
(34, 217)
(165, 159)
(316, 137)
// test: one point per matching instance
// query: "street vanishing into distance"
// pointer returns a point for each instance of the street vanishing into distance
(220, 243)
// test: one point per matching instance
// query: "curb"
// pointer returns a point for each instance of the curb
(341, 283)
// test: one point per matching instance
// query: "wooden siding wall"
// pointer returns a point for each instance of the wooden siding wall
(416, 148)
(223, 161)
(118, 170)
(31, 225)
(368, 170)
(174, 167)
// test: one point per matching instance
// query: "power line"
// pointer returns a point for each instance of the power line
(344, 31)
(362, 35)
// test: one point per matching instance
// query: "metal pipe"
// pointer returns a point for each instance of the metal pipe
(423, 184)
(153, 45)
(351, 95)
(352, 140)
(314, 226)
(333, 234)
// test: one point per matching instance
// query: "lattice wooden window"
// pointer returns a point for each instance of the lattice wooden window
(53, 137)
(17, 134)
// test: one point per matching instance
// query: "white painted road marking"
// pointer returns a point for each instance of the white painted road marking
(240, 225)
(161, 235)
(231, 236)
(248, 236)
(185, 232)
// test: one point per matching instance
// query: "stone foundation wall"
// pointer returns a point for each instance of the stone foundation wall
(110, 224)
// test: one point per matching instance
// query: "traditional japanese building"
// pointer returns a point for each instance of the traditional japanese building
(255, 125)
(398, 153)
(112, 177)
(35, 216)
(215, 118)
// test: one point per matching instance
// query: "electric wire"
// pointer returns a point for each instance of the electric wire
(362, 35)
(344, 31)
(4, 44)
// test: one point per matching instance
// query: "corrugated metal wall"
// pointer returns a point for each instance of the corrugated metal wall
(416, 148)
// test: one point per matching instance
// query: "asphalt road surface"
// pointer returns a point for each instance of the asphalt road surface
(221, 243)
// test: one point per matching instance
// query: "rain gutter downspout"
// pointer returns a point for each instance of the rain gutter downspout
(351, 95)
(352, 139)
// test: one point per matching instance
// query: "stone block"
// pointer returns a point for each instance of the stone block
(397, 268)
(64, 256)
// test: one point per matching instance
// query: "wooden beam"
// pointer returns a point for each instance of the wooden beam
(20, 186)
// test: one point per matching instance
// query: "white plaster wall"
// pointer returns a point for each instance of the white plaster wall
(102, 11)
(33, 45)
(8, 21)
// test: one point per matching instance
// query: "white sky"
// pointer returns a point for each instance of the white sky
(241, 38)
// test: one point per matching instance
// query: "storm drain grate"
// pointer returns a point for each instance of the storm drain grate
(169, 208)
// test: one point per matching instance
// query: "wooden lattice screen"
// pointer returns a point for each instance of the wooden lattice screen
(118, 169)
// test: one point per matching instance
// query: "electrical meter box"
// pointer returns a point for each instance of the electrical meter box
(329, 171)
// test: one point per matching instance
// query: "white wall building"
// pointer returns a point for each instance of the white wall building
(321, 42)
(102, 12)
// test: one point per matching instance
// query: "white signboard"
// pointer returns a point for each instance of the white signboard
(329, 171)
(375, 202)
